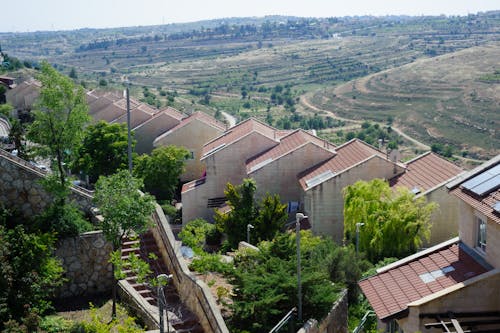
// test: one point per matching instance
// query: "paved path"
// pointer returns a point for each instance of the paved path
(418, 144)
(230, 119)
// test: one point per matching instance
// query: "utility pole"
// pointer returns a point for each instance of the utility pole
(299, 217)
(129, 150)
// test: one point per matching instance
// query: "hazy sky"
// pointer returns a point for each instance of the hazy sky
(31, 15)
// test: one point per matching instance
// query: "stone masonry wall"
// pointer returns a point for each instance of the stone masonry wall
(85, 261)
(20, 187)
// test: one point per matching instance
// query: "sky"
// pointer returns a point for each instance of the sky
(33, 15)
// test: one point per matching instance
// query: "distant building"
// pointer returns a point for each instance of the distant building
(192, 132)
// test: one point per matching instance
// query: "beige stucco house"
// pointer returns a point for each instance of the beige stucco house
(24, 95)
(152, 128)
(427, 175)
(322, 185)
(192, 133)
(453, 286)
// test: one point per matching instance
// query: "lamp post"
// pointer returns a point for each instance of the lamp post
(359, 224)
(162, 279)
(249, 226)
(129, 146)
(299, 217)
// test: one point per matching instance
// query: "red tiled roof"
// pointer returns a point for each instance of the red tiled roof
(192, 184)
(201, 116)
(390, 291)
(237, 132)
(482, 204)
(168, 112)
(287, 144)
(348, 154)
(425, 172)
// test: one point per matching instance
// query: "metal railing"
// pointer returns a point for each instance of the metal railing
(362, 323)
(286, 319)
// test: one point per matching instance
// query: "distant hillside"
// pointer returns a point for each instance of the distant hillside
(445, 99)
(261, 66)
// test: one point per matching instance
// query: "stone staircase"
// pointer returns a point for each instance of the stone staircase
(179, 316)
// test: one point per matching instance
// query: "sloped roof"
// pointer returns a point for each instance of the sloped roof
(239, 131)
(168, 113)
(426, 172)
(201, 116)
(395, 286)
(348, 154)
(288, 144)
(489, 203)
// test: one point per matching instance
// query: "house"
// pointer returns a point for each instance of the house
(453, 285)
(158, 124)
(225, 160)
(24, 95)
(192, 132)
(7, 81)
(322, 185)
(427, 175)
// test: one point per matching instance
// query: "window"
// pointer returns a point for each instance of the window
(190, 156)
(481, 234)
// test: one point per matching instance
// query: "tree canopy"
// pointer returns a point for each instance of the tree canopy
(267, 217)
(29, 273)
(265, 281)
(125, 210)
(161, 170)
(103, 150)
(60, 115)
(395, 222)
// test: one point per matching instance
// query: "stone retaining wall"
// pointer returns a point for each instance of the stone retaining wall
(20, 187)
(85, 261)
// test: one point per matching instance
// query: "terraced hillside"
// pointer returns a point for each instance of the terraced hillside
(450, 99)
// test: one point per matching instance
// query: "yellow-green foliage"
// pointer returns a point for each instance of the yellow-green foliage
(395, 222)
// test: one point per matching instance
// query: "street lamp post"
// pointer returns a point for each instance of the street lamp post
(129, 135)
(249, 226)
(162, 279)
(359, 224)
(299, 217)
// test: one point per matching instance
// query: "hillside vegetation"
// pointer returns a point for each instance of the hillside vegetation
(262, 66)
(439, 100)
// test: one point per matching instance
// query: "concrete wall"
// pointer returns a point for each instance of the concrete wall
(334, 322)
(468, 234)
(20, 188)
(193, 292)
(462, 297)
(280, 176)
(193, 137)
(444, 220)
(149, 131)
(85, 261)
(324, 204)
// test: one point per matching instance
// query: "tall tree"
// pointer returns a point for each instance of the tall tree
(161, 170)
(103, 150)
(29, 273)
(60, 115)
(395, 222)
(125, 210)
(267, 217)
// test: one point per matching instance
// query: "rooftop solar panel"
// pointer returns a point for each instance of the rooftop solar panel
(485, 182)
(487, 186)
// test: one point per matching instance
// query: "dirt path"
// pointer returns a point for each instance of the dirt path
(305, 102)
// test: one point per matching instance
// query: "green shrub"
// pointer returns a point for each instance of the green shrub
(55, 324)
(210, 263)
(194, 234)
(66, 221)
